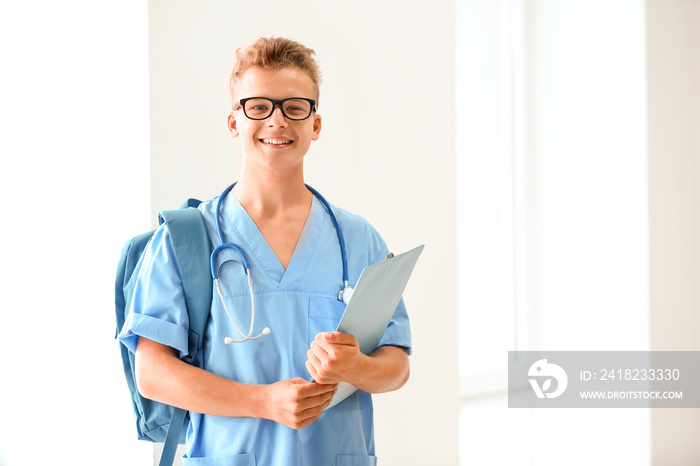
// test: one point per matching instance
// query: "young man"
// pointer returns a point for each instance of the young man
(253, 403)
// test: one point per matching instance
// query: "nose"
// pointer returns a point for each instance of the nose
(277, 118)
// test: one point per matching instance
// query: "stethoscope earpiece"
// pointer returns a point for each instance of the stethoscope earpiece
(228, 340)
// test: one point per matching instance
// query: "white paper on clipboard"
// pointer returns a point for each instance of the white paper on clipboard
(377, 293)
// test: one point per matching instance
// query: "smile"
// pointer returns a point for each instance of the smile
(277, 142)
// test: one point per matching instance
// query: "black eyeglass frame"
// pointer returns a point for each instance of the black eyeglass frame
(275, 103)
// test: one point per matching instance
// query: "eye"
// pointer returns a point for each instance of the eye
(297, 108)
(257, 108)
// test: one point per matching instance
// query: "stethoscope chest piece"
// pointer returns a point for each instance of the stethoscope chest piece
(345, 294)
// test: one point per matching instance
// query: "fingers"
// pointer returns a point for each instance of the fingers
(313, 361)
(308, 396)
(337, 338)
(308, 400)
(321, 400)
(319, 363)
(333, 357)
(311, 368)
(312, 388)
(330, 346)
(310, 415)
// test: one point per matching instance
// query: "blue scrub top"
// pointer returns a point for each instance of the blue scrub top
(296, 304)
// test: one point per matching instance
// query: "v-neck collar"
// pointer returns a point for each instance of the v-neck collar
(262, 254)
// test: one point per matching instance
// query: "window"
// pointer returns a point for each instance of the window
(553, 248)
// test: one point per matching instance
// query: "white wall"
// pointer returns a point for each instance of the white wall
(74, 184)
(673, 73)
(386, 152)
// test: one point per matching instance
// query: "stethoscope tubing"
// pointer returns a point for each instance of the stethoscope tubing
(244, 261)
(339, 231)
(343, 295)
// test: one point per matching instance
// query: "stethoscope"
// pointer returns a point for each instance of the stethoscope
(344, 294)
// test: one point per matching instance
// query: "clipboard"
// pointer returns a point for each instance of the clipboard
(372, 305)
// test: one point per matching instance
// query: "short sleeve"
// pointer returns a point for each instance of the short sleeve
(158, 311)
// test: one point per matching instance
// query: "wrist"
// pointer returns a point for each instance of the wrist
(362, 370)
(258, 403)
(384, 370)
(244, 400)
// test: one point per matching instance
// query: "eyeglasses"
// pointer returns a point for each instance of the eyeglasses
(294, 108)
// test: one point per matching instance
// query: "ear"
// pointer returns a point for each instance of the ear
(317, 127)
(232, 125)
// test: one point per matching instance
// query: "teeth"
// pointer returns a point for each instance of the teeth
(277, 141)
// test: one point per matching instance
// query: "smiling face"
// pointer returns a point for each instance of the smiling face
(277, 143)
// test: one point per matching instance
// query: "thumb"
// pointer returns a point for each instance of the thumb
(298, 380)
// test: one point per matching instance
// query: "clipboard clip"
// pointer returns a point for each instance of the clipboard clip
(389, 256)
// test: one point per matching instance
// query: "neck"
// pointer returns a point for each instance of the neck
(271, 192)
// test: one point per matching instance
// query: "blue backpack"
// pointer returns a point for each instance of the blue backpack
(158, 422)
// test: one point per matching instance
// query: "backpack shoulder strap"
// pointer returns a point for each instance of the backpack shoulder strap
(178, 422)
(192, 250)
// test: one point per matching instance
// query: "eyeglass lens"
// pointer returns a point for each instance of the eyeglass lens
(294, 109)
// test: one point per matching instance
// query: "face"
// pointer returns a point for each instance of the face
(276, 144)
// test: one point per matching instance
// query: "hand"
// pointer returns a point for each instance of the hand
(296, 403)
(334, 357)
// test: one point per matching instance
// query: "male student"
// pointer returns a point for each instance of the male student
(253, 402)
